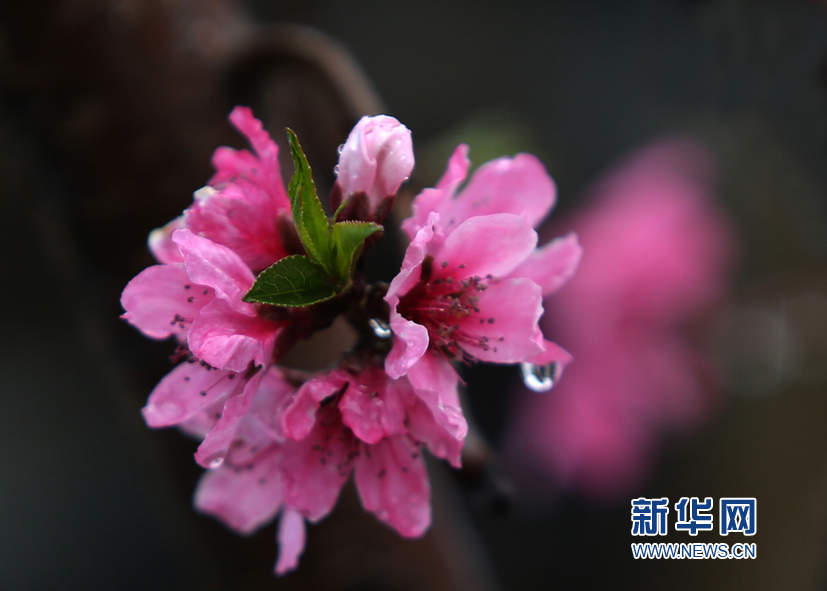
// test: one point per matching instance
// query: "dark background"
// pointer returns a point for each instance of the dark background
(91, 499)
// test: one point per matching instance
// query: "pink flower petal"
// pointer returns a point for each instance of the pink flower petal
(186, 390)
(291, 538)
(242, 217)
(162, 301)
(492, 244)
(433, 200)
(393, 485)
(503, 330)
(243, 497)
(409, 345)
(435, 383)
(552, 265)
(440, 442)
(232, 164)
(202, 422)
(218, 267)
(372, 406)
(518, 185)
(456, 170)
(161, 245)
(261, 169)
(261, 426)
(251, 128)
(427, 239)
(410, 339)
(552, 353)
(318, 466)
(299, 418)
(214, 448)
(228, 340)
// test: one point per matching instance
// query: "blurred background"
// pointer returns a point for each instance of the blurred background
(688, 141)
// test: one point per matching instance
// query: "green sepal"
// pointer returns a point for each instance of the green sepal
(309, 217)
(293, 281)
(346, 240)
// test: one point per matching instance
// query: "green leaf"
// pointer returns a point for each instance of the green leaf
(308, 214)
(347, 239)
(293, 281)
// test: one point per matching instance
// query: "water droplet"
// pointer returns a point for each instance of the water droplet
(380, 328)
(540, 378)
(336, 170)
(215, 462)
(341, 148)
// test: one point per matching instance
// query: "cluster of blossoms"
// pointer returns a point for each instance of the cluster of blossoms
(252, 266)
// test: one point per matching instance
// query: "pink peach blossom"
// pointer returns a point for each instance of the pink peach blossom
(469, 287)
(293, 450)
(362, 421)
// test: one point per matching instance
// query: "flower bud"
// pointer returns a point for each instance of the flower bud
(376, 159)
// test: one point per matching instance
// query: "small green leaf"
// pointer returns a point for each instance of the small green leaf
(346, 243)
(308, 214)
(293, 281)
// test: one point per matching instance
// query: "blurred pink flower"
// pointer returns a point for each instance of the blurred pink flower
(472, 281)
(657, 252)
(374, 161)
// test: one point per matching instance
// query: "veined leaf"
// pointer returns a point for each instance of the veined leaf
(308, 214)
(293, 281)
(347, 239)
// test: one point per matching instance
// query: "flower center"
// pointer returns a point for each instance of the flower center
(444, 302)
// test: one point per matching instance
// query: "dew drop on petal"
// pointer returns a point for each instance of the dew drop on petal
(341, 148)
(380, 328)
(336, 170)
(215, 462)
(540, 378)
